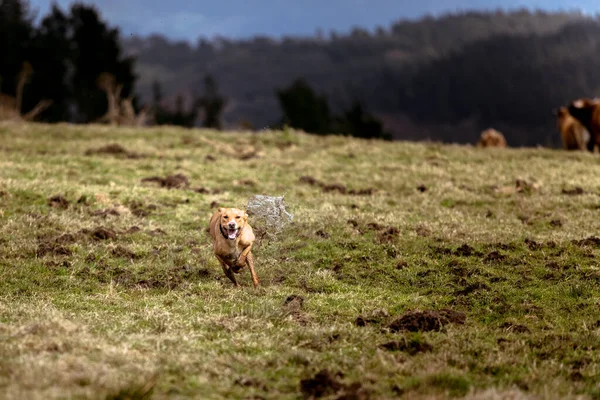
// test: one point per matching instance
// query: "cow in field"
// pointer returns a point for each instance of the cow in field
(491, 138)
(574, 135)
(587, 112)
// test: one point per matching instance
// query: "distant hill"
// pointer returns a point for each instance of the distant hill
(423, 78)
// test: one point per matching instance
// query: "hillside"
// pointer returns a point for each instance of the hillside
(378, 68)
(413, 270)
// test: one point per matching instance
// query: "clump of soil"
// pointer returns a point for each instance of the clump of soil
(411, 346)
(293, 306)
(494, 256)
(336, 187)
(56, 246)
(177, 181)
(322, 234)
(466, 251)
(428, 320)
(115, 150)
(422, 188)
(573, 192)
(101, 233)
(58, 201)
(124, 252)
(374, 317)
(517, 328)
(141, 210)
(106, 212)
(592, 241)
(325, 383)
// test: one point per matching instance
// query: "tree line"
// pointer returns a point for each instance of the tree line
(445, 78)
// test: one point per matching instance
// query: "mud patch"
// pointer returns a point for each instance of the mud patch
(336, 187)
(58, 201)
(177, 181)
(428, 320)
(114, 149)
(412, 346)
(373, 318)
(325, 383)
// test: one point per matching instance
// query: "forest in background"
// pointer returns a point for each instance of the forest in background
(443, 78)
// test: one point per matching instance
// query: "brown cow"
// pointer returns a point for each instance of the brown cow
(491, 138)
(587, 112)
(573, 133)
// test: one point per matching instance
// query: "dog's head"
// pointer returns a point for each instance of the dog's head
(232, 221)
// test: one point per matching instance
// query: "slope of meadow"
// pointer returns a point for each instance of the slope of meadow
(109, 289)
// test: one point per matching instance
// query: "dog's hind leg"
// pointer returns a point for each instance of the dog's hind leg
(250, 263)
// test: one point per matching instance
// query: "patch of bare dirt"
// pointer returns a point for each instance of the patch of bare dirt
(428, 320)
(58, 201)
(114, 149)
(106, 212)
(422, 188)
(385, 234)
(337, 187)
(466, 251)
(177, 181)
(325, 383)
(411, 346)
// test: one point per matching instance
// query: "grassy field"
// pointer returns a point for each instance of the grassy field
(410, 270)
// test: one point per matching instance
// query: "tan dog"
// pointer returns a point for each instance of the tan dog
(232, 239)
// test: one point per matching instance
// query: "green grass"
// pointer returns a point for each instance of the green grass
(148, 313)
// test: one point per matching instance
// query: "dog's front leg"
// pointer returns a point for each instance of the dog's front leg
(250, 263)
(228, 271)
(241, 261)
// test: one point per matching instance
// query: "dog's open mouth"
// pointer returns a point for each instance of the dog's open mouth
(232, 233)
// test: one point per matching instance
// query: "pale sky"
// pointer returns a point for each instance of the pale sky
(190, 19)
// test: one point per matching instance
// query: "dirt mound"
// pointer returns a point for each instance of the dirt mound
(494, 256)
(324, 383)
(114, 150)
(58, 201)
(428, 320)
(100, 233)
(336, 187)
(466, 251)
(411, 347)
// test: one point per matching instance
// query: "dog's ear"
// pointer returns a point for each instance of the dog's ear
(245, 215)
(220, 210)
